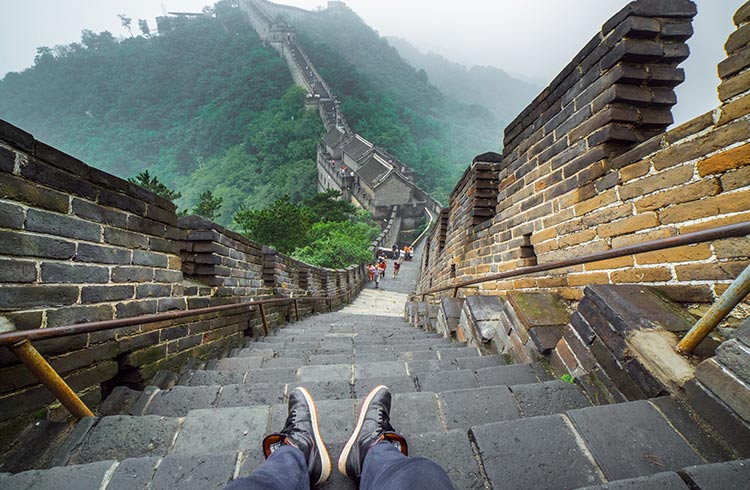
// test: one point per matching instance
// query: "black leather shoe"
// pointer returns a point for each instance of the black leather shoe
(373, 426)
(301, 431)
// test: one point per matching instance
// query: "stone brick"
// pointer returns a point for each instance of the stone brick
(727, 160)
(606, 215)
(52, 272)
(588, 278)
(725, 386)
(735, 179)
(20, 297)
(47, 175)
(599, 201)
(703, 145)
(132, 274)
(635, 170)
(144, 225)
(679, 195)
(734, 86)
(715, 221)
(152, 290)
(642, 274)
(122, 201)
(100, 214)
(161, 275)
(734, 110)
(735, 356)
(135, 308)
(617, 263)
(688, 253)
(153, 259)
(102, 254)
(734, 63)
(625, 240)
(15, 188)
(576, 238)
(123, 238)
(661, 180)
(62, 225)
(728, 202)
(732, 248)
(7, 160)
(11, 215)
(78, 314)
(101, 294)
(628, 225)
(710, 272)
(18, 271)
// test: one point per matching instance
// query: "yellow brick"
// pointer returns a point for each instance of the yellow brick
(635, 170)
(628, 225)
(736, 179)
(712, 206)
(552, 281)
(716, 271)
(577, 195)
(543, 235)
(732, 248)
(650, 274)
(733, 110)
(678, 195)
(524, 283)
(662, 180)
(586, 279)
(174, 262)
(607, 197)
(719, 221)
(577, 238)
(689, 253)
(617, 263)
(545, 247)
(726, 160)
(570, 294)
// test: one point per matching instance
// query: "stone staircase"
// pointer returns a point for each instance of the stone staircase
(490, 425)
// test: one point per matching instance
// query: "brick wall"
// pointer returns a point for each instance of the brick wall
(588, 166)
(78, 245)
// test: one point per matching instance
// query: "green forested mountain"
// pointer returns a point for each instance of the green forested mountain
(394, 105)
(487, 86)
(207, 107)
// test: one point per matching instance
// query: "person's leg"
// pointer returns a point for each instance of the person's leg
(296, 457)
(386, 467)
(285, 469)
(377, 457)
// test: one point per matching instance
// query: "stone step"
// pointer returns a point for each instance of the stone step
(582, 447)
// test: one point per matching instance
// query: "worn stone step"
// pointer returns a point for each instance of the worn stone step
(452, 353)
(447, 380)
(466, 407)
(397, 384)
(659, 481)
(548, 397)
(514, 374)
(453, 452)
(478, 362)
(284, 362)
(424, 366)
(632, 439)
(243, 395)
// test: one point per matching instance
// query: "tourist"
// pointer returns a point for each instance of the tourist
(370, 272)
(375, 456)
(396, 267)
(381, 266)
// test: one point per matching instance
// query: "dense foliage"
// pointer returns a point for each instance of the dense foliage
(203, 107)
(322, 231)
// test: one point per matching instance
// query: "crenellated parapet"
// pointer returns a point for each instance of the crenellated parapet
(589, 166)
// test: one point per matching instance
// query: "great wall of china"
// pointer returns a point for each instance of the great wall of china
(590, 166)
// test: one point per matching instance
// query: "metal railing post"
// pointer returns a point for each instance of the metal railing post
(263, 318)
(735, 293)
(46, 374)
(296, 309)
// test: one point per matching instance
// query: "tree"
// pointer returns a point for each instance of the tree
(338, 245)
(43, 53)
(126, 21)
(143, 26)
(151, 182)
(208, 206)
(326, 206)
(283, 224)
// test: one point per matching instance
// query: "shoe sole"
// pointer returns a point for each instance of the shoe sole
(325, 458)
(361, 420)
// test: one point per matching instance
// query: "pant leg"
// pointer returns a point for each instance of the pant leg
(386, 467)
(285, 469)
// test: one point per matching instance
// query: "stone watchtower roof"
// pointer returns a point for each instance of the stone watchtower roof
(374, 170)
(334, 137)
(357, 147)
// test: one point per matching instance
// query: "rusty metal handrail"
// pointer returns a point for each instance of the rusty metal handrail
(727, 231)
(19, 342)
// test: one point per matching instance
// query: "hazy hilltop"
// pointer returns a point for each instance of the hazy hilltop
(488, 86)
(206, 106)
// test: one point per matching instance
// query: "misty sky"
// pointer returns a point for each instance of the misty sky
(531, 39)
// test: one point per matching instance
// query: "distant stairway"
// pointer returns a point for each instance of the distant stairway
(490, 425)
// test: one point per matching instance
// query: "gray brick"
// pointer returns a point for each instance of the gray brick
(11, 215)
(121, 201)
(730, 475)
(169, 304)
(195, 472)
(133, 473)
(17, 271)
(141, 257)
(735, 356)
(62, 225)
(100, 294)
(38, 171)
(135, 308)
(152, 290)
(78, 314)
(94, 212)
(20, 297)
(164, 275)
(88, 252)
(73, 273)
(143, 225)
(132, 274)
(7, 160)
(123, 238)
(75, 476)
(18, 189)
(463, 408)
(16, 243)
